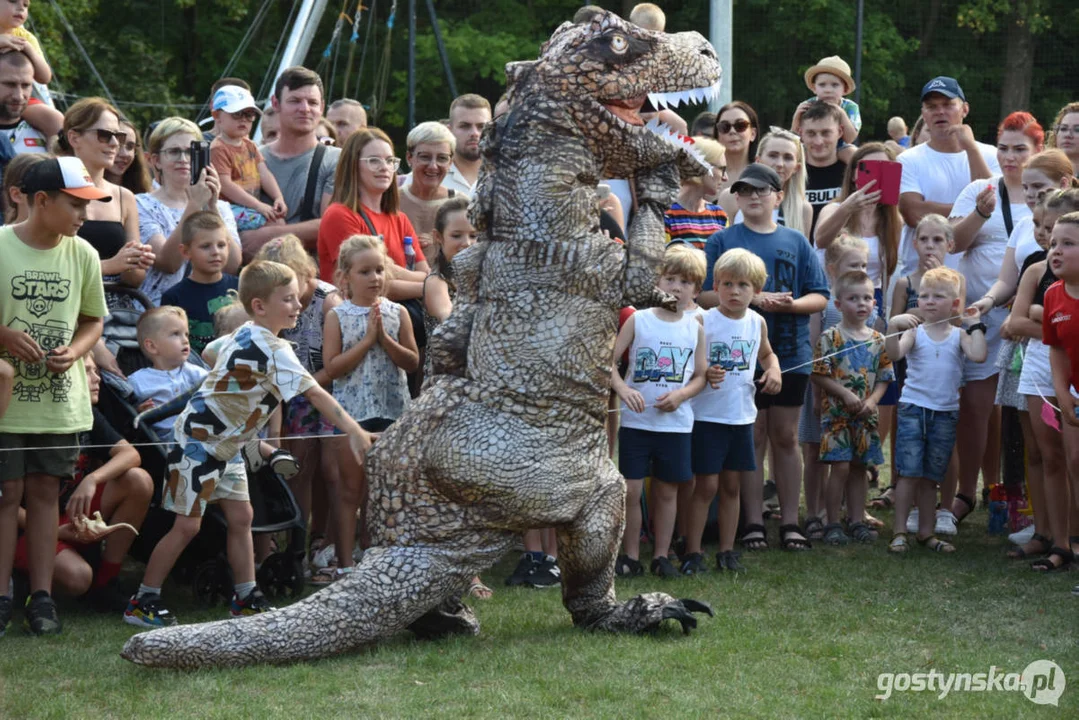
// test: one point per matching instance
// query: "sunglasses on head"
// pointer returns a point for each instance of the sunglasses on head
(724, 126)
(105, 136)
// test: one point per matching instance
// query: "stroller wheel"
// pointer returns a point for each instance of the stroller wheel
(282, 575)
(207, 583)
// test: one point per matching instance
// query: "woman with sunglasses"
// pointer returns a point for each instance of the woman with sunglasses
(162, 212)
(129, 168)
(430, 154)
(366, 202)
(736, 130)
(92, 133)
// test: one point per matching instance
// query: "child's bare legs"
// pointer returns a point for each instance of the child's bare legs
(927, 502)
(856, 493)
(663, 515)
(834, 488)
(752, 491)
(813, 472)
(125, 500)
(42, 494)
(71, 574)
(730, 484)
(704, 489)
(906, 494)
(9, 529)
(322, 521)
(685, 500)
(7, 381)
(975, 409)
(991, 459)
(241, 548)
(306, 452)
(168, 550)
(631, 538)
(1045, 455)
(783, 436)
(351, 494)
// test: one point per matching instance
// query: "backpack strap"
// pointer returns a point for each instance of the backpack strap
(307, 207)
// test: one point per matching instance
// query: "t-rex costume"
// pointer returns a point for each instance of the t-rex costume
(509, 433)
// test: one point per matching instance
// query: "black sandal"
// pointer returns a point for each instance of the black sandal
(970, 503)
(1018, 553)
(795, 544)
(1046, 563)
(750, 539)
(814, 528)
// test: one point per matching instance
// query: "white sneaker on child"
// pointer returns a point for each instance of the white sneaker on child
(946, 523)
(912, 521)
(1023, 536)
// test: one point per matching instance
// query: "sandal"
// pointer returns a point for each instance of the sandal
(1046, 563)
(971, 504)
(834, 535)
(814, 528)
(791, 538)
(898, 544)
(936, 544)
(755, 537)
(478, 590)
(884, 501)
(862, 533)
(1019, 553)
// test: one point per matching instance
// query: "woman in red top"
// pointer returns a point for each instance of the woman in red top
(365, 202)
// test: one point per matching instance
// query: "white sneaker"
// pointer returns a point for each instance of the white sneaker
(945, 523)
(912, 521)
(1023, 536)
(324, 557)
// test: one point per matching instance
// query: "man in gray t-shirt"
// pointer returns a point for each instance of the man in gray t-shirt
(298, 102)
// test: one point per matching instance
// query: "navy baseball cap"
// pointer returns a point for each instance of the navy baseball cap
(758, 176)
(946, 86)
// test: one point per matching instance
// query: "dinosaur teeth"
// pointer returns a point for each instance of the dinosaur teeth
(661, 101)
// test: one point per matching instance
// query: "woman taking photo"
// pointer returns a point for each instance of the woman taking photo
(162, 212)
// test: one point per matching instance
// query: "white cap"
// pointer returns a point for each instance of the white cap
(233, 98)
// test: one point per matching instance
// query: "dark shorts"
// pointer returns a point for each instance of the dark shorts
(371, 425)
(924, 440)
(792, 394)
(662, 456)
(23, 454)
(718, 447)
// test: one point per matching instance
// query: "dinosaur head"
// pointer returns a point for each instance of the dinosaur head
(602, 73)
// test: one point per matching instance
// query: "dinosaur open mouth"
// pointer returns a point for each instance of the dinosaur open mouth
(676, 140)
(661, 101)
(628, 111)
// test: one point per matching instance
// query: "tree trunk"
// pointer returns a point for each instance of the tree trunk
(929, 28)
(1018, 67)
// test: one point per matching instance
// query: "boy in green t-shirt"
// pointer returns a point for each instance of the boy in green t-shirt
(51, 307)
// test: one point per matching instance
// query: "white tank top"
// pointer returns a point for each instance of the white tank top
(733, 345)
(661, 361)
(934, 372)
(874, 268)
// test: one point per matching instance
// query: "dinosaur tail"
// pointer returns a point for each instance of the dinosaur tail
(391, 589)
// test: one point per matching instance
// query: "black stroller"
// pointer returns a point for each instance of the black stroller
(204, 564)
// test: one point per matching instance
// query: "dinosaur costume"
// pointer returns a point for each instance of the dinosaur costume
(509, 433)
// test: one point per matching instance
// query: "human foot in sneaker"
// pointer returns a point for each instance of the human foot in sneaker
(662, 567)
(41, 617)
(693, 564)
(148, 611)
(912, 521)
(625, 566)
(254, 604)
(545, 574)
(106, 598)
(729, 560)
(7, 609)
(524, 568)
(945, 523)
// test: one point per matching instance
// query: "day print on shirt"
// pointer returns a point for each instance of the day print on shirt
(733, 356)
(665, 365)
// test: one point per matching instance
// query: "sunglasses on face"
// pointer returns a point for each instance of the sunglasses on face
(725, 127)
(248, 115)
(748, 191)
(105, 136)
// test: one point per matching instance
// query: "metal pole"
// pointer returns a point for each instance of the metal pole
(442, 49)
(411, 64)
(858, 53)
(721, 35)
(299, 41)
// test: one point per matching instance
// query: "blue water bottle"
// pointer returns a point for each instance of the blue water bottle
(410, 253)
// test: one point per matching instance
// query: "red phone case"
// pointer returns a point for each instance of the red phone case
(887, 173)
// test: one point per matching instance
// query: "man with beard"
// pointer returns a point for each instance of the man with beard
(16, 82)
(468, 114)
(821, 128)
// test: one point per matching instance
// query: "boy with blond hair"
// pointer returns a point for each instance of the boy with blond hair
(648, 16)
(255, 372)
(928, 410)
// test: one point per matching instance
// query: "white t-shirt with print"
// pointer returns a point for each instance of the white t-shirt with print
(980, 264)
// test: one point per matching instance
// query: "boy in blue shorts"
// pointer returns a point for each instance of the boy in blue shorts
(254, 373)
(928, 410)
(667, 364)
(853, 372)
(724, 412)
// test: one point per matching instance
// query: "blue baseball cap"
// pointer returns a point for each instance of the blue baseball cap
(946, 86)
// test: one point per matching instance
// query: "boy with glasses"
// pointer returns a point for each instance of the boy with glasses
(796, 288)
(239, 163)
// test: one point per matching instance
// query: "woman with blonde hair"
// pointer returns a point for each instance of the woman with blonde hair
(1064, 132)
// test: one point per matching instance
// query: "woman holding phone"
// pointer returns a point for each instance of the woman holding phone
(162, 212)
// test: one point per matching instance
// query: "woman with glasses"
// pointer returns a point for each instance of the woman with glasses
(162, 212)
(92, 133)
(366, 202)
(1064, 132)
(129, 167)
(736, 130)
(430, 154)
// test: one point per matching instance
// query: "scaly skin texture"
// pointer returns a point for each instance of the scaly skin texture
(509, 433)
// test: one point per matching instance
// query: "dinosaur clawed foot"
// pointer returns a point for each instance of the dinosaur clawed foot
(682, 611)
(645, 613)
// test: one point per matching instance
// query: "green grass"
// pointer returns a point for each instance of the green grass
(799, 635)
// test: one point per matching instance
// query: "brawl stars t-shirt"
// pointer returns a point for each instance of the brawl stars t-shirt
(43, 293)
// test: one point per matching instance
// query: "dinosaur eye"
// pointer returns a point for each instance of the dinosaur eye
(619, 44)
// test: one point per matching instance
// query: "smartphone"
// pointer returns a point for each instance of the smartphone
(200, 158)
(887, 173)
(603, 191)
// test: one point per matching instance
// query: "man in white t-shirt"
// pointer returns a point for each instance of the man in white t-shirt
(934, 173)
(468, 115)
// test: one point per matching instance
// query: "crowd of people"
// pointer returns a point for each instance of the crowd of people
(816, 320)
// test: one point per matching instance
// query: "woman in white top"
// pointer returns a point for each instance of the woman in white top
(984, 215)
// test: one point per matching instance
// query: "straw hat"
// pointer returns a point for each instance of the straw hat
(834, 65)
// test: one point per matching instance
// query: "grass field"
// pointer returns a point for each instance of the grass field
(799, 635)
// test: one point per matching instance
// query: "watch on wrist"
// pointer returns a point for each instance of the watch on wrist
(977, 326)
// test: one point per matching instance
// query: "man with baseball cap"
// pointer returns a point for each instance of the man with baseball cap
(796, 288)
(935, 172)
